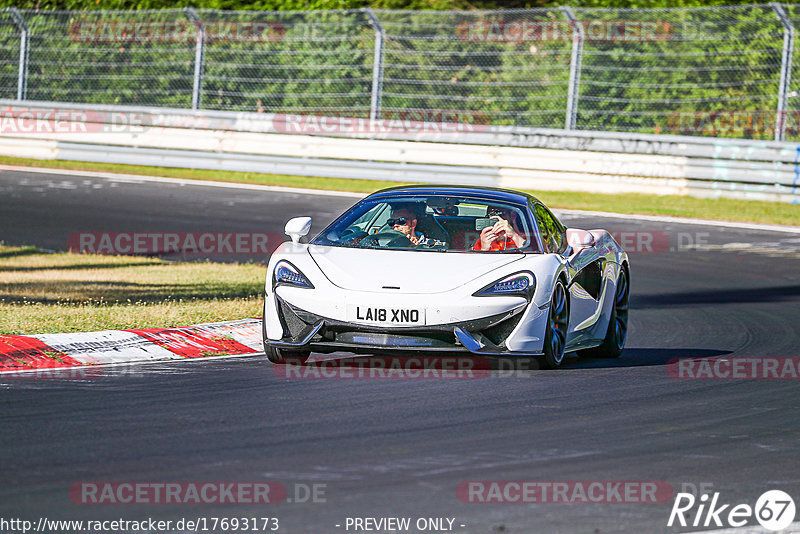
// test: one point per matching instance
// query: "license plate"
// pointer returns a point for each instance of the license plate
(386, 315)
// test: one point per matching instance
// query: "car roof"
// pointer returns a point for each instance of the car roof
(492, 193)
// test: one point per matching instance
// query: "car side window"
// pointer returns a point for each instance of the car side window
(374, 218)
(553, 233)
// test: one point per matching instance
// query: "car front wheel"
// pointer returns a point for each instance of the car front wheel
(283, 356)
(555, 337)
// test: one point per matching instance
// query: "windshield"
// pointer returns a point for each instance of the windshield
(433, 223)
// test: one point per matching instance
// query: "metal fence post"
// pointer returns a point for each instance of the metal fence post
(22, 79)
(786, 70)
(199, 57)
(377, 65)
(576, 59)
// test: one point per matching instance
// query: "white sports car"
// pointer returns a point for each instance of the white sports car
(472, 270)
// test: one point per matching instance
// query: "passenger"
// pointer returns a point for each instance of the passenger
(504, 234)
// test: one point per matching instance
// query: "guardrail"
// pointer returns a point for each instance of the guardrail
(409, 151)
(730, 71)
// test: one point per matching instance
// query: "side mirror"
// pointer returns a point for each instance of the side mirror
(580, 239)
(297, 228)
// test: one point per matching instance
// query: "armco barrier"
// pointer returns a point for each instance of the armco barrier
(431, 152)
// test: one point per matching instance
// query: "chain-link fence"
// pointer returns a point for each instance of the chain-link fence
(721, 71)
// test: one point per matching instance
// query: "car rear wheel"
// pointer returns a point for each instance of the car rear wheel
(617, 332)
(555, 337)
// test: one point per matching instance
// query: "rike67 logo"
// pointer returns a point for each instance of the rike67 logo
(774, 510)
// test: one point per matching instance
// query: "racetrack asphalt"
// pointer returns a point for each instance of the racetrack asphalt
(400, 448)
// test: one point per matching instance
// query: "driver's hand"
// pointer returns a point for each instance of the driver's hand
(414, 239)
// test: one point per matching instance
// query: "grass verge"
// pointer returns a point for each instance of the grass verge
(66, 292)
(677, 206)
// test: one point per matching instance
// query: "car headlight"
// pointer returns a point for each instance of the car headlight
(287, 274)
(518, 284)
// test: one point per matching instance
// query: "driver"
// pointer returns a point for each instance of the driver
(404, 219)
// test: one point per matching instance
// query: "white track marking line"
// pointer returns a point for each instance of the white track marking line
(137, 178)
(682, 220)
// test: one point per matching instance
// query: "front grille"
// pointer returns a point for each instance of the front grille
(386, 339)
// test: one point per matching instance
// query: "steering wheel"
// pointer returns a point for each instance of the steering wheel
(352, 234)
(393, 239)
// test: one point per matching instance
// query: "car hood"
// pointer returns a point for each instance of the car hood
(407, 271)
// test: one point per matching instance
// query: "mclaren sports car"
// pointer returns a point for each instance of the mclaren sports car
(470, 270)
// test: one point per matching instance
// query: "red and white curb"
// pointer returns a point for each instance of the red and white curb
(50, 351)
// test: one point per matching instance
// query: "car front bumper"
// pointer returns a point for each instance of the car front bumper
(487, 336)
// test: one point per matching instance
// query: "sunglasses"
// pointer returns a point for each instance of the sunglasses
(400, 221)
